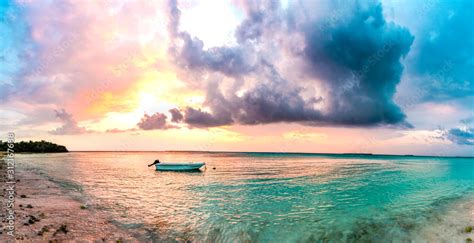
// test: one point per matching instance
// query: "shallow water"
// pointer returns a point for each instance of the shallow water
(263, 197)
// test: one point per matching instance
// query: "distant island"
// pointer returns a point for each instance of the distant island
(34, 147)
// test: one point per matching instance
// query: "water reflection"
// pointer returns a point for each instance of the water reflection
(261, 197)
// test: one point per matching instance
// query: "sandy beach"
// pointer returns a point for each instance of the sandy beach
(44, 212)
(453, 226)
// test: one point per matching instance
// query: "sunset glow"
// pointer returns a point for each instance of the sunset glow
(239, 76)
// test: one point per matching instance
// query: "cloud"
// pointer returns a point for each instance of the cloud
(69, 126)
(189, 54)
(359, 57)
(153, 122)
(60, 55)
(316, 63)
(116, 130)
(460, 136)
(199, 118)
(468, 120)
(176, 115)
(342, 73)
(261, 17)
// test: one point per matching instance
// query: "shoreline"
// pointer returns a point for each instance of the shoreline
(451, 225)
(45, 212)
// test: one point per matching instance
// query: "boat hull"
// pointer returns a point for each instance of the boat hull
(179, 166)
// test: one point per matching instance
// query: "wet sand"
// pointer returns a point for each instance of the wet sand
(452, 226)
(45, 212)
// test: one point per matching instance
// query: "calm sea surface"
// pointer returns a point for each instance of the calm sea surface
(263, 197)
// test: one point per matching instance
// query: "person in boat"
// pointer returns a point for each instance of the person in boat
(154, 163)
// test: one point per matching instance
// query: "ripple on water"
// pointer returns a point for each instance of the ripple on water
(267, 197)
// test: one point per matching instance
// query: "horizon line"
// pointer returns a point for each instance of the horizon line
(268, 152)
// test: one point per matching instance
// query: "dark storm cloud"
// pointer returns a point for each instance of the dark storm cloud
(359, 57)
(272, 100)
(275, 100)
(199, 118)
(356, 59)
(266, 105)
(461, 136)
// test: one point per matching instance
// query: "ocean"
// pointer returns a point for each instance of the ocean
(270, 197)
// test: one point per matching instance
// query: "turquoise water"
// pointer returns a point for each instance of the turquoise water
(262, 197)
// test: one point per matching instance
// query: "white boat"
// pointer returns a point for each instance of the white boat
(179, 166)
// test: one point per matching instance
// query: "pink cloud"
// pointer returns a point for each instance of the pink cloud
(69, 126)
(155, 121)
(82, 50)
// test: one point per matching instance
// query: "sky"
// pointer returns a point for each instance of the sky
(390, 76)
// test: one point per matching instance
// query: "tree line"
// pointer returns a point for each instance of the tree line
(34, 147)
